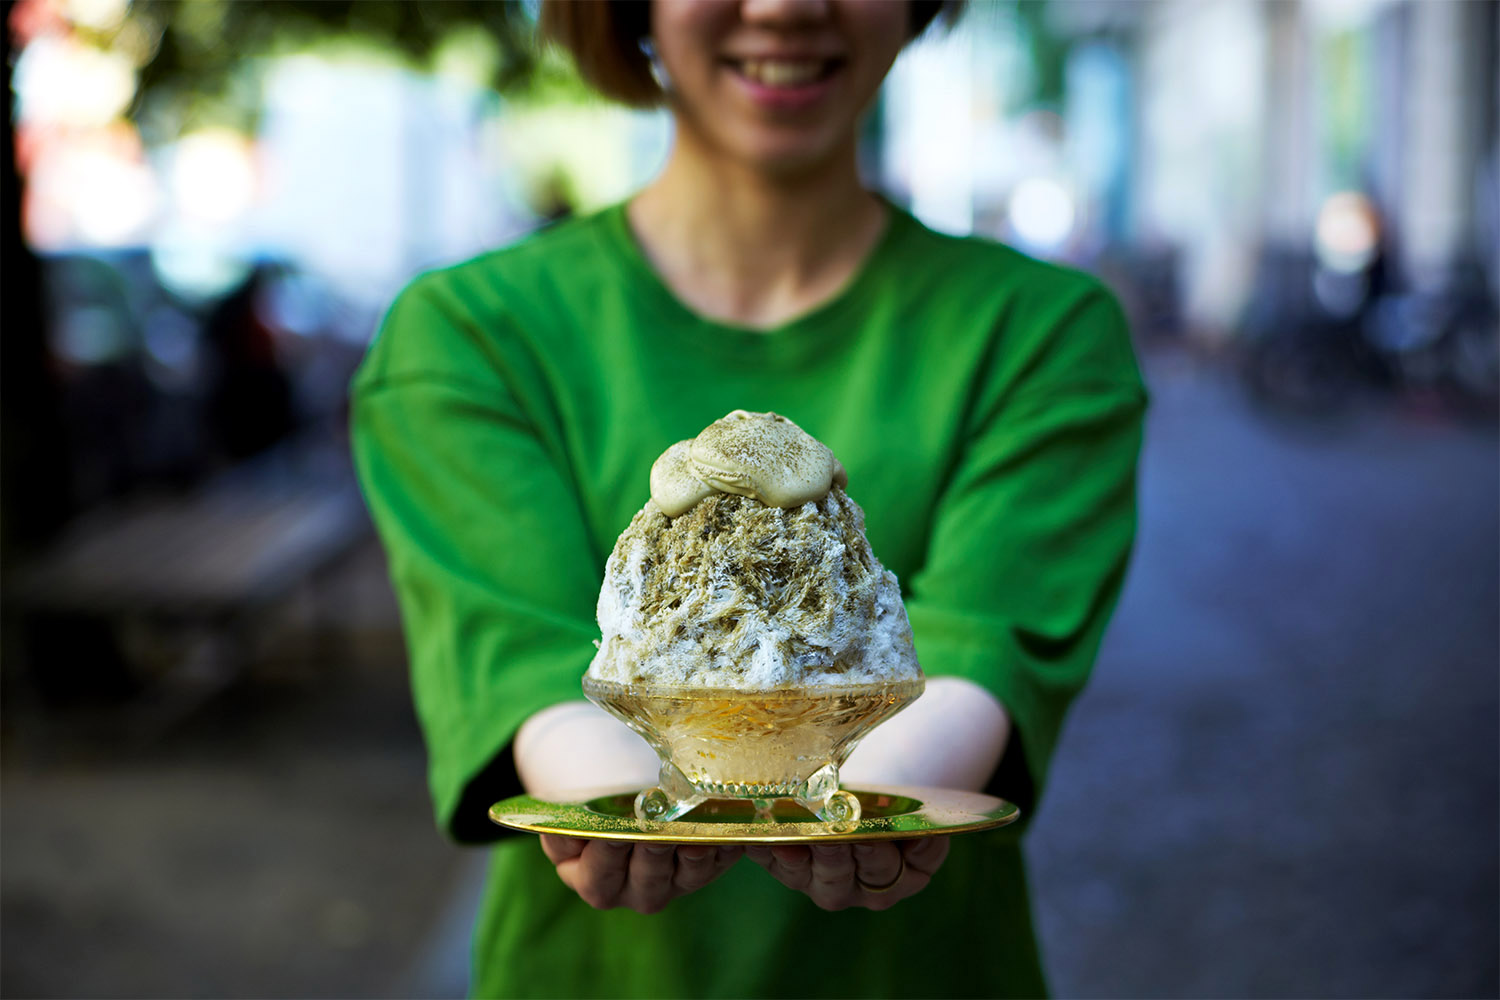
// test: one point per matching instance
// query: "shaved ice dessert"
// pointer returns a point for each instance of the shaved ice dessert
(749, 633)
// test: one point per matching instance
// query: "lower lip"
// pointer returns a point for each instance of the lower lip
(787, 98)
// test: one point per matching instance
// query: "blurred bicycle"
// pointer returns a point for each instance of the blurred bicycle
(1329, 324)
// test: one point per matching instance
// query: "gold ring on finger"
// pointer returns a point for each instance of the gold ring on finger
(867, 887)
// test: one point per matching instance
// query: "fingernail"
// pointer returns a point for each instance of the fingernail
(863, 850)
(827, 850)
(658, 849)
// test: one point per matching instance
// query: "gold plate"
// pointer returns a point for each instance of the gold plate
(889, 813)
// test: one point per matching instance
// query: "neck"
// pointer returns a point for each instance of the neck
(749, 247)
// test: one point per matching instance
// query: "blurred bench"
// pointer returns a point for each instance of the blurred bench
(201, 557)
(208, 566)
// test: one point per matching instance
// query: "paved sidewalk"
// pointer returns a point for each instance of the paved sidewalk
(1283, 778)
(279, 843)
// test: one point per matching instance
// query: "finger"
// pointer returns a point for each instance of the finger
(599, 873)
(649, 886)
(696, 866)
(725, 858)
(926, 855)
(568, 872)
(877, 864)
(832, 885)
(923, 858)
(791, 865)
(559, 849)
(729, 856)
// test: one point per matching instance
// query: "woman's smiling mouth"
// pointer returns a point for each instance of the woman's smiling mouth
(785, 73)
(786, 83)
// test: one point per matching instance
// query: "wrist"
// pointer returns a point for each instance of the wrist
(576, 746)
(951, 737)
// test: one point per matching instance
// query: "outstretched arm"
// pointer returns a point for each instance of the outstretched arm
(950, 737)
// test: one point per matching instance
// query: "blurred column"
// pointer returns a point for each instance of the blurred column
(929, 126)
(335, 162)
(1389, 128)
(1289, 149)
(1445, 128)
(1203, 119)
(1101, 131)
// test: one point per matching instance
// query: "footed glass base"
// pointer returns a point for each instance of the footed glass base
(675, 796)
(820, 795)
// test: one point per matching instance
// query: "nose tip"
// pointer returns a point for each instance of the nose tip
(783, 11)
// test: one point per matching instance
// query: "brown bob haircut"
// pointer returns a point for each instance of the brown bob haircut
(604, 38)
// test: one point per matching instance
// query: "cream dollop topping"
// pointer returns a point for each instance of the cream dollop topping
(763, 456)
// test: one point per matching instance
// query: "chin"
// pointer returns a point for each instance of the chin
(788, 156)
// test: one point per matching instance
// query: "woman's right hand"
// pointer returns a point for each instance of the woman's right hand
(643, 877)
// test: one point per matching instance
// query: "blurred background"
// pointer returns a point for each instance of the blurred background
(1285, 778)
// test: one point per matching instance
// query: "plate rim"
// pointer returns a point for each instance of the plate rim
(986, 811)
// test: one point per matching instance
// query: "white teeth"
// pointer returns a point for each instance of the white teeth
(782, 72)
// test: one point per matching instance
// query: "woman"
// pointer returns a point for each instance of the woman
(987, 408)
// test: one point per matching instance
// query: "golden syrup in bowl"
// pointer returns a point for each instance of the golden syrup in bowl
(758, 745)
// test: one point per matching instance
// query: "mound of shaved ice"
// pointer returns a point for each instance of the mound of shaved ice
(737, 594)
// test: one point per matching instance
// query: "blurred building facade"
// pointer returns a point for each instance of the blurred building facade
(1217, 130)
(1317, 177)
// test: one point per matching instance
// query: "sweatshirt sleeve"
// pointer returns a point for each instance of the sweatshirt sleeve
(491, 562)
(1033, 532)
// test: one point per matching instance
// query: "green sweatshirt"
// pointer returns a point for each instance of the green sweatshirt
(988, 409)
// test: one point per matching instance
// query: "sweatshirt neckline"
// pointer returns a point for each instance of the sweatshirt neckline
(803, 333)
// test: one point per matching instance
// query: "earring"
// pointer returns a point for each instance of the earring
(658, 71)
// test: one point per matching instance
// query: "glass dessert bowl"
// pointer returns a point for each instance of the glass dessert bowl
(757, 745)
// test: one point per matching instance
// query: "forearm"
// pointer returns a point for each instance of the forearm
(951, 737)
(576, 746)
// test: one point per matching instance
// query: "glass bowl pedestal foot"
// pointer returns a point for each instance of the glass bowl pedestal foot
(675, 796)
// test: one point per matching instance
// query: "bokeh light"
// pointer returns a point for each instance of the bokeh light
(1042, 214)
(211, 176)
(1348, 231)
(60, 80)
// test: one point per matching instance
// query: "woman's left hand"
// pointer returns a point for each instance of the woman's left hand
(876, 876)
